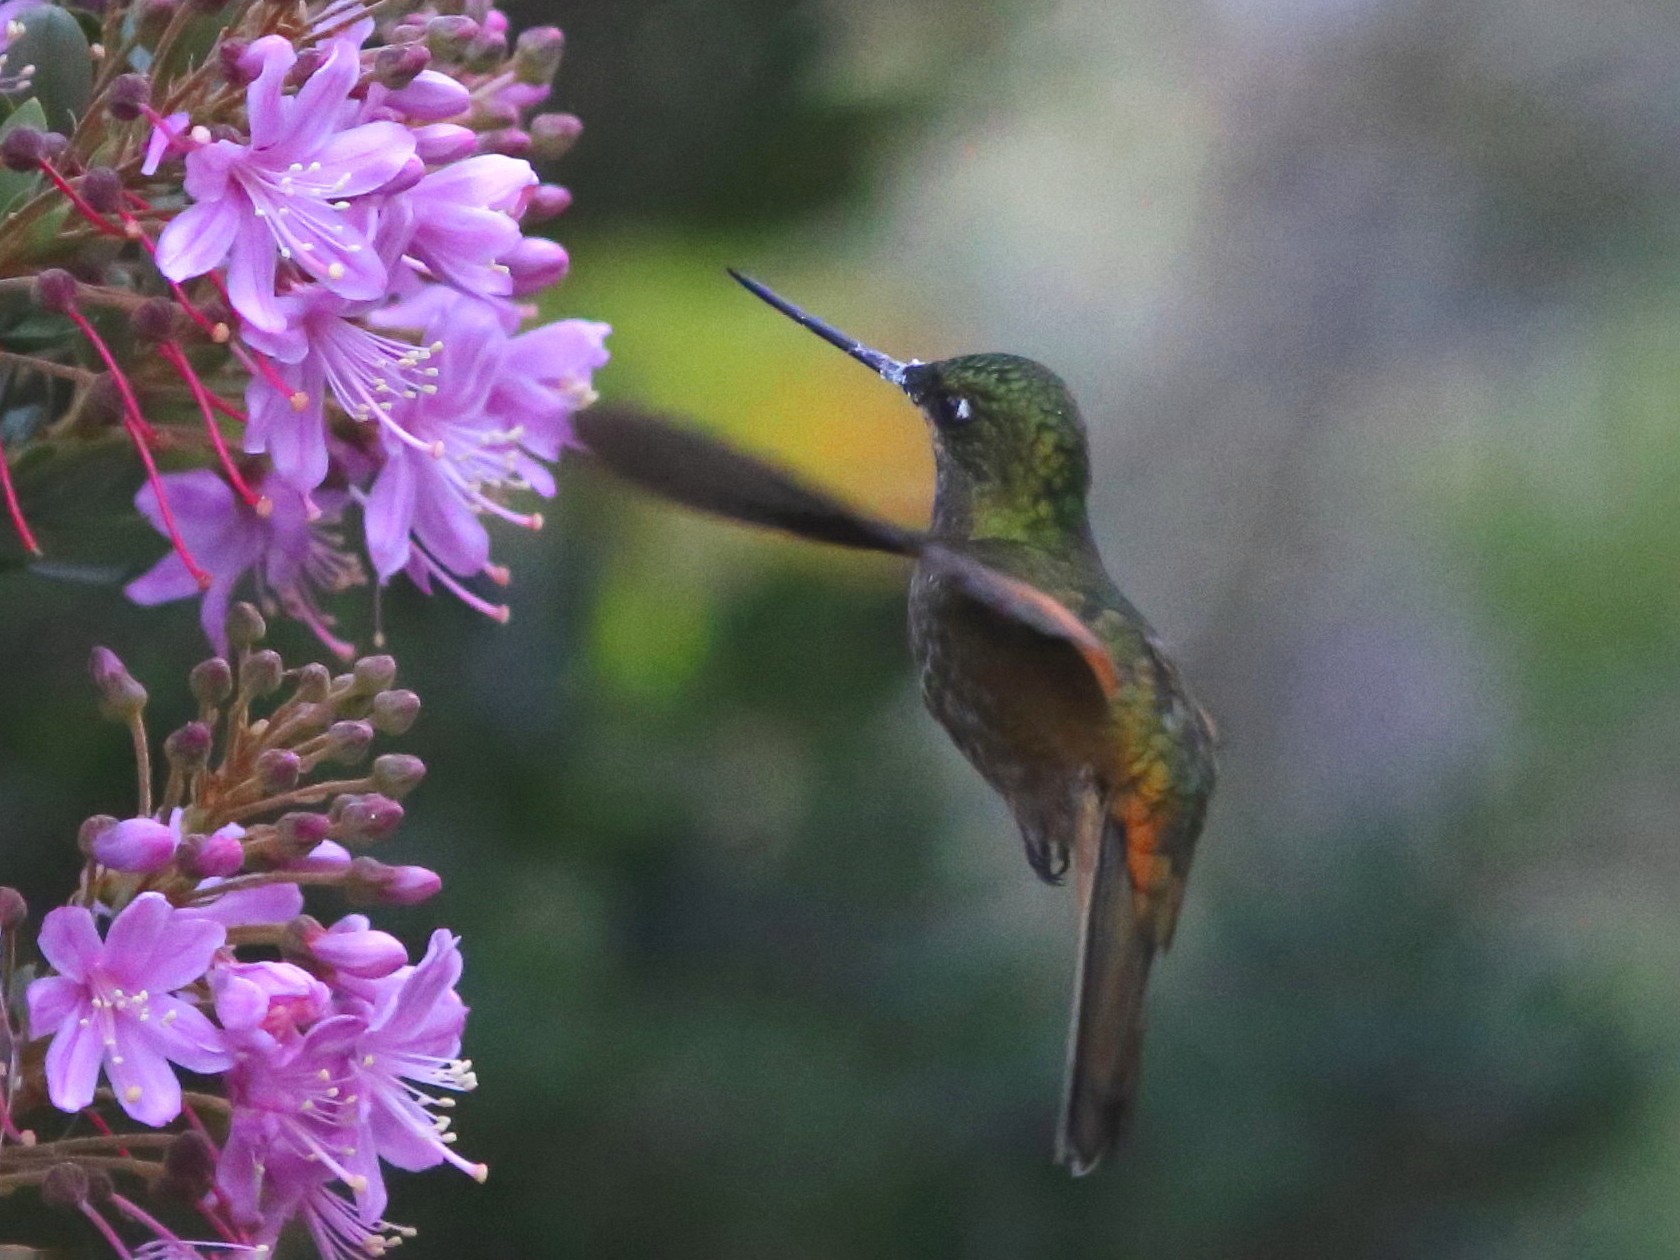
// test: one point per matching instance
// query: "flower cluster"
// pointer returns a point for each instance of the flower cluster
(302, 259)
(319, 1055)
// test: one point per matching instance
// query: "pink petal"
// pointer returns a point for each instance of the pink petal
(313, 112)
(73, 1064)
(166, 580)
(51, 1001)
(267, 903)
(250, 278)
(70, 942)
(265, 105)
(367, 157)
(144, 1082)
(181, 1032)
(389, 514)
(153, 946)
(197, 239)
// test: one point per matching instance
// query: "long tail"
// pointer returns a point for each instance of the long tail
(1105, 1042)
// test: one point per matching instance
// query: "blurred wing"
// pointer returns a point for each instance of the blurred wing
(698, 472)
(1024, 603)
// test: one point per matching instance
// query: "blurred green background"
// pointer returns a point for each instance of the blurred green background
(1374, 308)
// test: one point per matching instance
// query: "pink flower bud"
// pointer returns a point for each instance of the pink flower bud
(431, 97)
(217, 855)
(535, 263)
(354, 948)
(444, 142)
(327, 858)
(394, 885)
(135, 844)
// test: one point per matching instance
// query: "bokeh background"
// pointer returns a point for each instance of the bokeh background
(1374, 307)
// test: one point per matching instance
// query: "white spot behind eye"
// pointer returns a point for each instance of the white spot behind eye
(963, 411)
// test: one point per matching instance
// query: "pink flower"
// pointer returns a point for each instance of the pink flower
(501, 406)
(114, 1005)
(136, 844)
(284, 194)
(461, 220)
(411, 1046)
(294, 1117)
(272, 999)
(288, 553)
(324, 349)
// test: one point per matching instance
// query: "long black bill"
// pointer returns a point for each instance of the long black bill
(888, 368)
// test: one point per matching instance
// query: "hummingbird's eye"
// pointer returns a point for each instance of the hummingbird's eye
(953, 410)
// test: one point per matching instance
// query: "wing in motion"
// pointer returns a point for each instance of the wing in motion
(699, 472)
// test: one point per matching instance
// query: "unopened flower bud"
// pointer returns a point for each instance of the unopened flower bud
(363, 820)
(245, 625)
(211, 682)
(350, 946)
(347, 742)
(154, 16)
(137, 845)
(13, 908)
(217, 855)
(120, 696)
(394, 711)
(90, 831)
(397, 774)
(534, 264)
(155, 320)
(373, 674)
(444, 142)
(536, 55)
(546, 202)
(260, 673)
(278, 769)
(431, 97)
(128, 96)
(314, 681)
(21, 149)
(449, 36)
(237, 69)
(53, 145)
(65, 1187)
(486, 52)
(189, 1168)
(553, 135)
(395, 65)
(188, 749)
(327, 858)
(55, 290)
(508, 141)
(102, 189)
(297, 834)
(309, 60)
(391, 885)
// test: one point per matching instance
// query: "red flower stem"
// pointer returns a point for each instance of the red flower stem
(172, 352)
(104, 1227)
(98, 1122)
(15, 509)
(142, 435)
(82, 208)
(227, 409)
(131, 404)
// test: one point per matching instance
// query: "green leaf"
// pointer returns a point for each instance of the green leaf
(78, 498)
(16, 185)
(52, 42)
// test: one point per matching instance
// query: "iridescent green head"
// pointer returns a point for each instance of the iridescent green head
(1007, 436)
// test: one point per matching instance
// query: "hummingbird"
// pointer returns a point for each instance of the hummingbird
(1048, 680)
